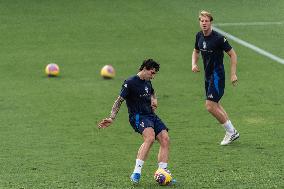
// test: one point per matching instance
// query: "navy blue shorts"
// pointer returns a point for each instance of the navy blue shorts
(140, 122)
(214, 90)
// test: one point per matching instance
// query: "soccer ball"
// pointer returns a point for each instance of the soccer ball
(52, 70)
(107, 72)
(163, 177)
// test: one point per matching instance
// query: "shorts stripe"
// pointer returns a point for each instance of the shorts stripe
(137, 116)
(216, 82)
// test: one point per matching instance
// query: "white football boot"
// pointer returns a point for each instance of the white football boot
(230, 137)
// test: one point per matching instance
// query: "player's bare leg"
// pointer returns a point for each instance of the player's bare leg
(164, 140)
(223, 110)
(216, 111)
(220, 114)
(149, 138)
(163, 155)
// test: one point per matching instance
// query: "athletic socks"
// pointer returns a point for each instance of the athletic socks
(229, 127)
(163, 165)
(138, 166)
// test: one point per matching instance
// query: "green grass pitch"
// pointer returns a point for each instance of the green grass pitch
(48, 134)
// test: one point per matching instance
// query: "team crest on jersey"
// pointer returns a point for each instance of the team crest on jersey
(204, 45)
(142, 124)
(146, 89)
(225, 39)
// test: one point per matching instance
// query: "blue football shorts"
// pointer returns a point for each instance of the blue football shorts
(214, 90)
(140, 122)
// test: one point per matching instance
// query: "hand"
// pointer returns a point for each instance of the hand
(105, 123)
(154, 103)
(195, 68)
(234, 79)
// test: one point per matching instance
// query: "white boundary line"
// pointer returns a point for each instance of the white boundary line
(252, 47)
(249, 24)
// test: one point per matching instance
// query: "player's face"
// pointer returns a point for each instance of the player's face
(150, 74)
(205, 23)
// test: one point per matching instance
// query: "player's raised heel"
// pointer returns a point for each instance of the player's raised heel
(135, 177)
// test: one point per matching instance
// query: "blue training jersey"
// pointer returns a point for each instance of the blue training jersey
(212, 49)
(137, 93)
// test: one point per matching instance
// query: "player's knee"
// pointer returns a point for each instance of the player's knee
(164, 139)
(150, 139)
(209, 107)
(149, 135)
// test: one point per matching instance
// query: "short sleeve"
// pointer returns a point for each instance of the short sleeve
(225, 44)
(152, 89)
(125, 89)
(196, 42)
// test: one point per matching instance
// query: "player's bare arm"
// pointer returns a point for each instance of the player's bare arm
(115, 108)
(233, 58)
(195, 56)
(154, 102)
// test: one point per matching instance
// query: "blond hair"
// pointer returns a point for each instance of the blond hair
(204, 13)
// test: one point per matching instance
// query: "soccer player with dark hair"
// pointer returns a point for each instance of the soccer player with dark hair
(212, 45)
(142, 103)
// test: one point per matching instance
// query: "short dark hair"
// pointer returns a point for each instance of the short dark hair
(150, 64)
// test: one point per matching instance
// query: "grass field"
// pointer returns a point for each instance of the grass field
(48, 128)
